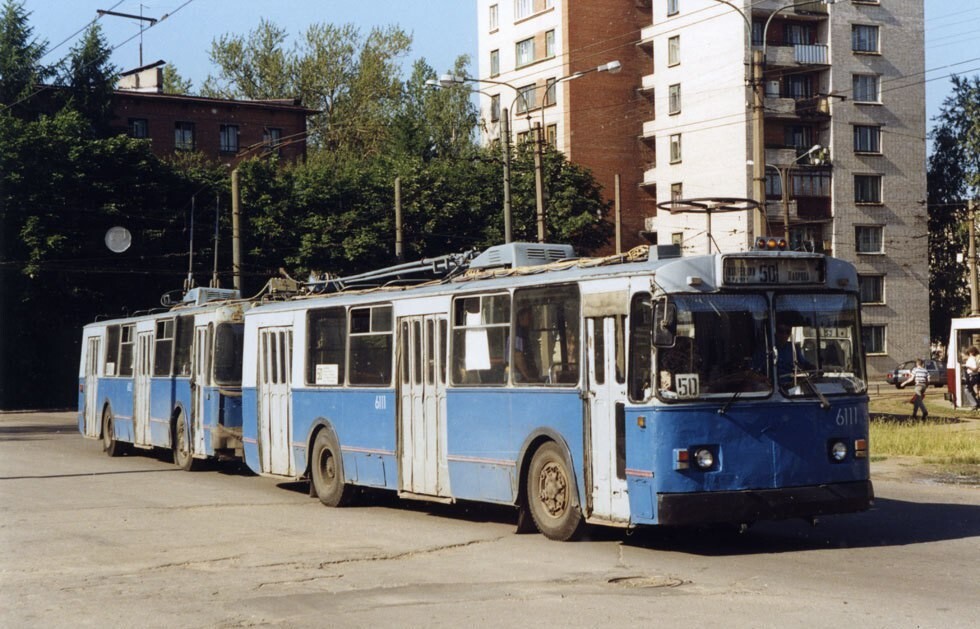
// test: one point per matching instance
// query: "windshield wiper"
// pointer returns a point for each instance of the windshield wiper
(724, 408)
(805, 377)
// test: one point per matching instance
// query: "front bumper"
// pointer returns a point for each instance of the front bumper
(764, 504)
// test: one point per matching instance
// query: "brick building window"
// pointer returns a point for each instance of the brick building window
(867, 139)
(272, 138)
(495, 108)
(676, 191)
(550, 93)
(525, 52)
(866, 88)
(184, 136)
(674, 50)
(868, 239)
(525, 99)
(675, 148)
(228, 138)
(549, 44)
(872, 289)
(551, 135)
(494, 62)
(139, 128)
(867, 188)
(674, 99)
(864, 38)
(873, 337)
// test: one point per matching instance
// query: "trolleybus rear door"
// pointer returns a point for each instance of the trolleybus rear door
(200, 381)
(275, 430)
(93, 357)
(141, 388)
(606, 384)
(423, 467)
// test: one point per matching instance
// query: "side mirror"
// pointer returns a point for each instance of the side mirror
(664, 324)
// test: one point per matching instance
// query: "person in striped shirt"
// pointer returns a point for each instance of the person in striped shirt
(920, 377)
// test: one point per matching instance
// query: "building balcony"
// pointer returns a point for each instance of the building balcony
(815, 9)
(646, 39)
(647, 84)
(777, 107)
(781, 156)
(801, 210)
(797, 55)
(816, 108)
(649, 130)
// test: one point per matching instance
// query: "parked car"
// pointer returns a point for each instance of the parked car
(937, 373)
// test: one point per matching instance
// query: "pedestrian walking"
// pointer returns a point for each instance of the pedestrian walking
(920, 376)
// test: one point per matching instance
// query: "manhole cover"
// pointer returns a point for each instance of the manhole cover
(647, 582)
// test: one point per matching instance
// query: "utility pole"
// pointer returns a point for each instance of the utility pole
(215, 283)
(505, 147)
(758, 144)
(972, 254)
(151, 20)
(236, 241)
(619, 216)
(539, 183)
(399, 252)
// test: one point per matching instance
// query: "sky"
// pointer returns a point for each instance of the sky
(441, 30)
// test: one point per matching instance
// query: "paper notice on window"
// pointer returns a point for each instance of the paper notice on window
(327, 374)
(477, 350)
(110, 369)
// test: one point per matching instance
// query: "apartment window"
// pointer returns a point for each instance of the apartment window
(674, 50)
(495, 108)
(494, 20)
(139, 128)
(866, 88)
(867, 188)
(549, 44)
(494, 62)
(551, 135)
(799, 86)
(525, 52)
(184, 136)
(873, 338)
(798, 35)
(272, 138)
(523, 138)
(867, 139)
(676, 191)
(550, 93)
(872, 288)
(674, 99)
(228, 138)
(774, 185)
(758, 28)
(810, 183)
(868, 239)
(673, 6)
(864, 38)
(675, 148)
(523, 8)
(525, 99)
(677, 238)
(798, 136)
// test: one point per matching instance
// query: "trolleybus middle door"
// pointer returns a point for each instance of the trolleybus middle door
(199, 386)
(141, 388)
(275, 425)
(606, 384)
(93, 415)
(422, 405)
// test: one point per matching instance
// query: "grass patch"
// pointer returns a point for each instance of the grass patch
(936, 442)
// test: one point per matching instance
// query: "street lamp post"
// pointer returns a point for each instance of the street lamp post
(758, 106)
(447, 80)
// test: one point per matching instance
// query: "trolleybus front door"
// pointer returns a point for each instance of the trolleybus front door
(141, 388)
(423, 467)
(275, 429)
(606, 382)
(93, 415)
(199, 384)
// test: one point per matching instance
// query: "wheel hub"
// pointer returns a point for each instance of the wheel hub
(553, 489)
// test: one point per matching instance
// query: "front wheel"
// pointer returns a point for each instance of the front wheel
(552, 498)
(110, 445)
(326, 473)
(183, 457)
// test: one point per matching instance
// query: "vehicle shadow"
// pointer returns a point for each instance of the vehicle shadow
(35, 432)
(919, 523)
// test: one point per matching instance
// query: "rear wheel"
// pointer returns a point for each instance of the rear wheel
(552, 498)
(110, 445)
(183, 458)
(326, 472)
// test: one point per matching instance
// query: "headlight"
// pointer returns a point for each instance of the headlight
(838, 451)
(704, 458)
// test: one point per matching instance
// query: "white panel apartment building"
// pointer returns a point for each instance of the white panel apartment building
(847, 77)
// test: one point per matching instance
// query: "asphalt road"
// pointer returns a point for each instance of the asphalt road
(86, 540)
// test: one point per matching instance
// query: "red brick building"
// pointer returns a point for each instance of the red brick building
(223, 130)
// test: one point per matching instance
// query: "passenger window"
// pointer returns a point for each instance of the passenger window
(326, 346)
(481, 324)
(546, 336)
(370, 346)
(640, 348)
(164, 348)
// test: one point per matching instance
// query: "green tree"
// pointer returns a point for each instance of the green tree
(953, 178)
(254, 67)
(90, 78)
(174, 83)
(20, 58)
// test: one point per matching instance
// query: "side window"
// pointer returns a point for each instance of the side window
(182, 352)
(228, 344)
(546, 336)
(164, 349)
(326, 346)
(370, 345)
(640, 350)
(124, 366)
(480, 327)
(112, 351)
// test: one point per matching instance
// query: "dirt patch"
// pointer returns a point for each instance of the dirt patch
(915, 469)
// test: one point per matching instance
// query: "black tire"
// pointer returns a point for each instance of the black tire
(183, 457)
(110, 445)
(551, 495)
(327, 473)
